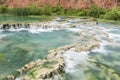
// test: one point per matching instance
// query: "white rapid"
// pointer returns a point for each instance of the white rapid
(77, 64)
(102, 63)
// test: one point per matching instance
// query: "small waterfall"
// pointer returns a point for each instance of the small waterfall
(80, 62)
(13, 26)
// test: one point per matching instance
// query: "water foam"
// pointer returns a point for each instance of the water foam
(72, 59)
(74, 29)
(42, 30)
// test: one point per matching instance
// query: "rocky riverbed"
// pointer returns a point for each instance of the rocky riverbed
(90, 38)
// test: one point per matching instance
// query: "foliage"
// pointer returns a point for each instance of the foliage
(47, 10)
(113, 14)
(82, 12)
(71, 12)
(19, 11)
(3, 9)
(95, 11)
(35, 10)
(58, 10)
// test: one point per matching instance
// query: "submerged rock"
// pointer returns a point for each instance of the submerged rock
(106, 71)
(47, 69)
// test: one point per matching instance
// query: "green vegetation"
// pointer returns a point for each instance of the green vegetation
(19, 11)
(93, 11)
(47, 10)
(113, 14)
(3, 9)
(34, 10)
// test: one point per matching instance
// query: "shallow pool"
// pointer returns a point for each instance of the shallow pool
(20, 47)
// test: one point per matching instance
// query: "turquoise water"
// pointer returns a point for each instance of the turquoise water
(6, 19)
(99, 64)
(20, 47)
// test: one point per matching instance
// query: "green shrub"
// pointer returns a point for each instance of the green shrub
(47, 10)
(3, 9)
(113, 14)
(19, 11)
(95, 11)
(35, 10)
(58, 10)
(62, 12)
(70, 12)
(82, 12)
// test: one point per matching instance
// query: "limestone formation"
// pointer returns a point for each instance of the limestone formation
(47, 69)
(54, 63)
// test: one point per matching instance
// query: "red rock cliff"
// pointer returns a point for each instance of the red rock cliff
(65, 3)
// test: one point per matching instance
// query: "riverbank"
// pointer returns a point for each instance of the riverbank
(109, 21)
(94, 11)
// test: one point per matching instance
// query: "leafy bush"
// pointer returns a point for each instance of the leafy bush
(19, 11)
(113, 14)
(72, 12)
(35, 10)
(47, 10)
(95, 11)
(3, 9)
(82, 12)
(58, 10)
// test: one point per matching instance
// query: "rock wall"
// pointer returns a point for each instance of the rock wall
(65, 3)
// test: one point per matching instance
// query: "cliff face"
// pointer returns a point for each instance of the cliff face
(65, 3)
(107, 3)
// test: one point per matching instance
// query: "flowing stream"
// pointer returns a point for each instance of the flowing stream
(99, 64)
(20, 47)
